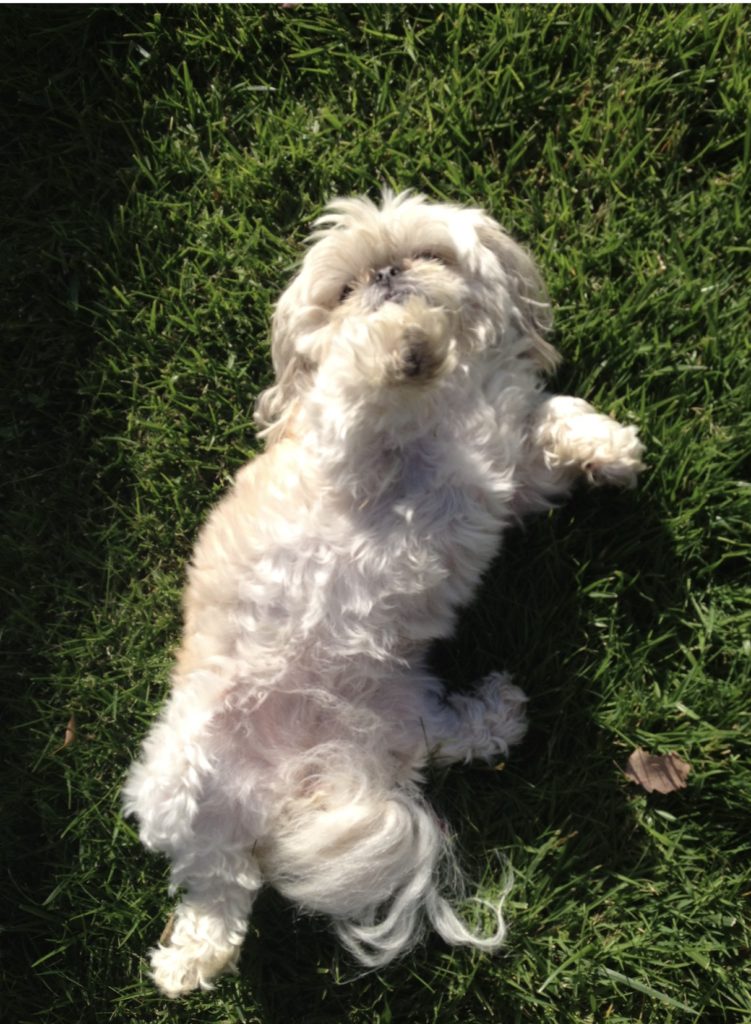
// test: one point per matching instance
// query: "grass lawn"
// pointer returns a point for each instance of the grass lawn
(160, 170)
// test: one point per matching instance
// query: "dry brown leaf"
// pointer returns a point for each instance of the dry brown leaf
(70, 731)
(657, 773)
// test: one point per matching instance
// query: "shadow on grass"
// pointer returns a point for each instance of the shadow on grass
(65, 143)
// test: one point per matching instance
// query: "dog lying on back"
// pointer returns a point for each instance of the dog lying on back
(407, 427)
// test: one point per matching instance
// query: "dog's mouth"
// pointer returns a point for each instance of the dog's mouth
(395, 289)
(398, 295)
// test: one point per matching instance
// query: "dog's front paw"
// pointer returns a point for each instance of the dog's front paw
(574, 438)
(616, 458)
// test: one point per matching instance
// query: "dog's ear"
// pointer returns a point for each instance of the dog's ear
(276, 406)
(526, 290)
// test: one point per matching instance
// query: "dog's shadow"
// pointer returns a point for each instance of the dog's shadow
(535, 615)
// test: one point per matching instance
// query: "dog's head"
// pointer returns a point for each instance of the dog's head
(408, 290)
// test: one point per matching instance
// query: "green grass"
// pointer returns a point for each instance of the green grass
(160, 170)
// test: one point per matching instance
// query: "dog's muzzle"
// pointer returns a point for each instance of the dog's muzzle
(389, 285)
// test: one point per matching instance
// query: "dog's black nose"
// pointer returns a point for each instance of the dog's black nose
(384, 275)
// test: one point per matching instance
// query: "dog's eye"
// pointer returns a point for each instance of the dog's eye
(430, 256)
(346, 292)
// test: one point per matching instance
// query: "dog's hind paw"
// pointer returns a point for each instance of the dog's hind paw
(177, 970)
(505, 716)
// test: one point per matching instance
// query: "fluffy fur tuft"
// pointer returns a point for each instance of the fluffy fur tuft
(407, 427)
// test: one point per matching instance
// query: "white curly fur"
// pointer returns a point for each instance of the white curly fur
(408, 426)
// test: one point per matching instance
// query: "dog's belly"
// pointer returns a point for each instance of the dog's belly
(367, 588)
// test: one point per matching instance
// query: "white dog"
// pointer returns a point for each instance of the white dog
(408, 426)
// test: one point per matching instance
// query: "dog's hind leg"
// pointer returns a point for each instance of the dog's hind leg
(205, 934)
(480, 726)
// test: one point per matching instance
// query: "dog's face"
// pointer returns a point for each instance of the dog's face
(408, 290)
(365, 257)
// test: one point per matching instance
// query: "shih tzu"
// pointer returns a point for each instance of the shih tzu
(408, 425)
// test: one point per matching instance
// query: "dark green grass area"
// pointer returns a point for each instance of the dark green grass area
(160, 169)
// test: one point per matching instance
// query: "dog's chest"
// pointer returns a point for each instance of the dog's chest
(441, 487)
(436, 522)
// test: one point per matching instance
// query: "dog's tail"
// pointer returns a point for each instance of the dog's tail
(380, 865)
